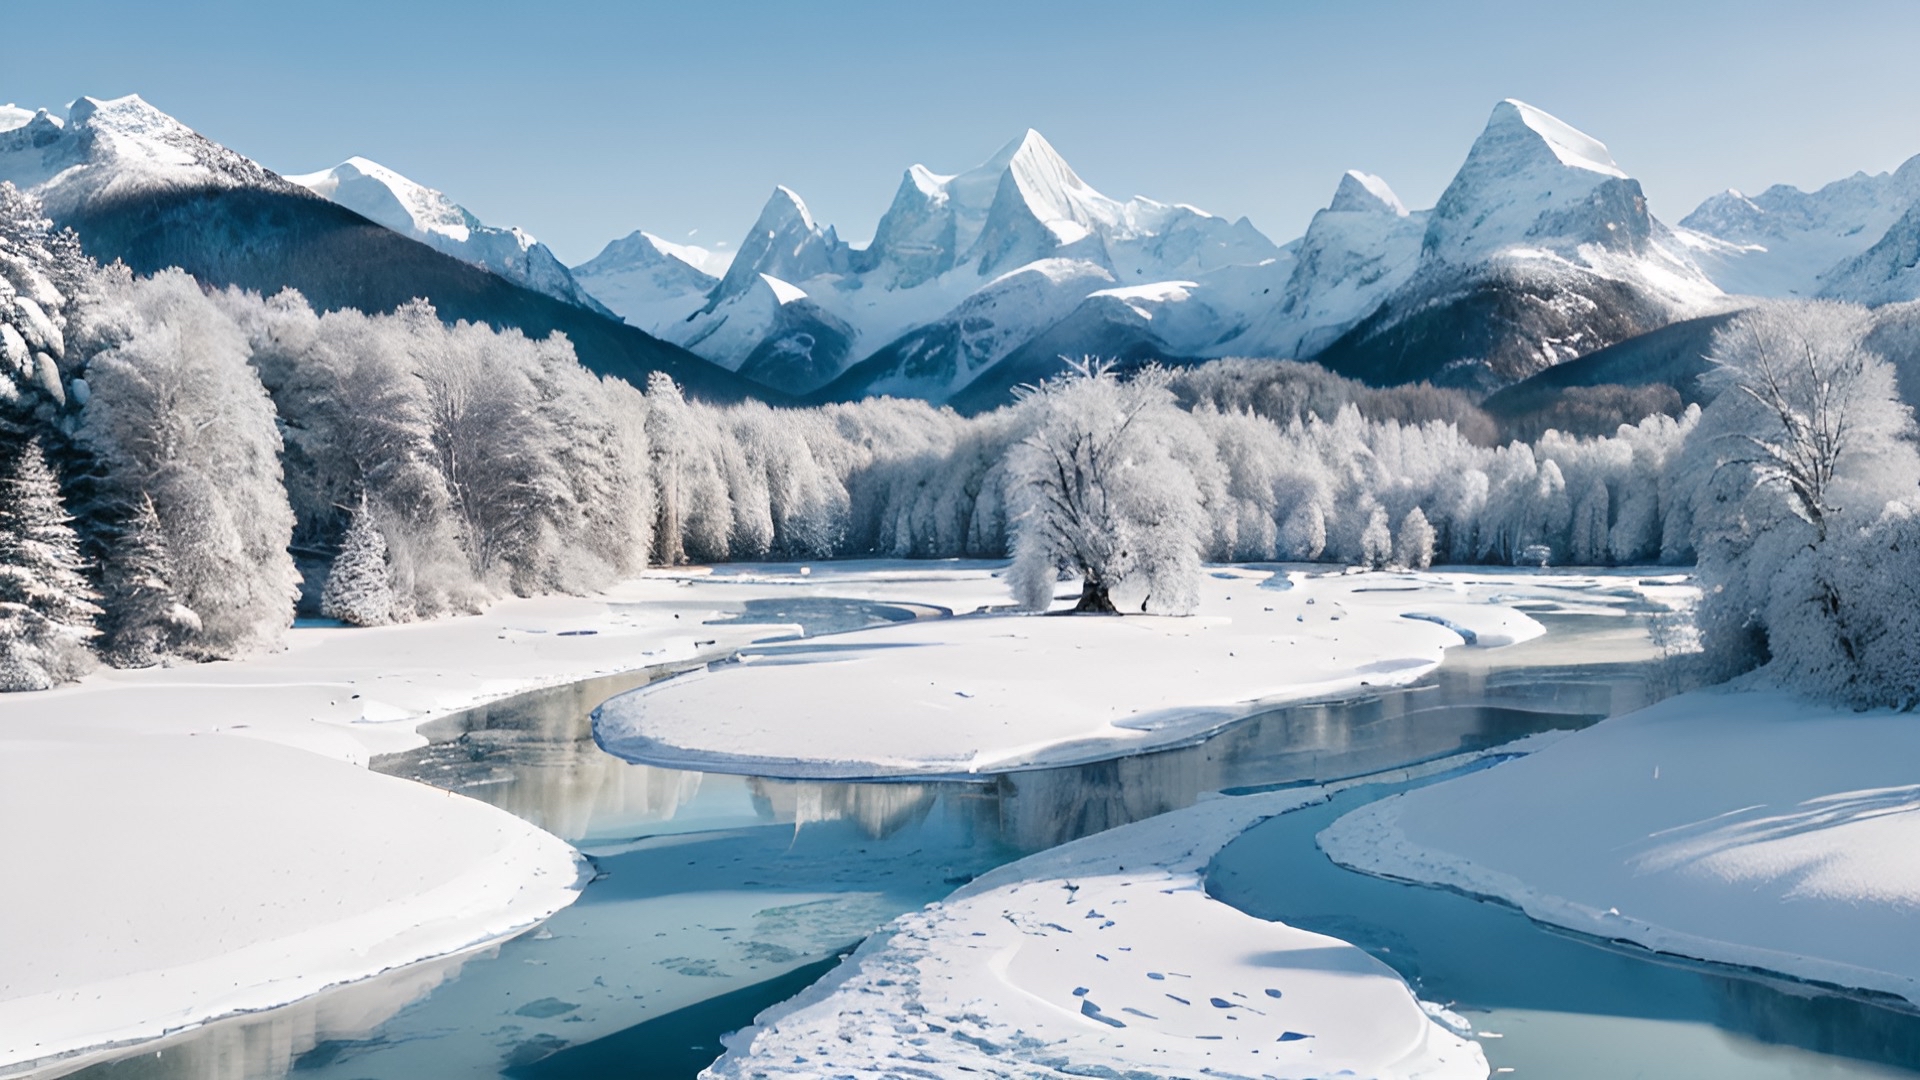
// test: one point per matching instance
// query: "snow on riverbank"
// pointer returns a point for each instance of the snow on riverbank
(1744, 827)
(189, 842)
(1003, 691)
(1106, 957)
(158, 880)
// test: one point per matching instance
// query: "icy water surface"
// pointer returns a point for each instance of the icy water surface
(1550, 1004)
(720, 895)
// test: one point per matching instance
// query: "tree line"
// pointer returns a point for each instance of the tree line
(184, 469)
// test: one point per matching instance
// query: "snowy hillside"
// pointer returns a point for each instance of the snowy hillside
(116, 149)
(1541, 249)
(1364, 245)
(1886, 273)
(649, 281)
(426, 214)
(1782, 241)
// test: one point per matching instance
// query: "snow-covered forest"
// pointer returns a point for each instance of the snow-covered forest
(187, 468)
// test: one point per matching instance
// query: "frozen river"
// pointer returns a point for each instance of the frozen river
(718, 895)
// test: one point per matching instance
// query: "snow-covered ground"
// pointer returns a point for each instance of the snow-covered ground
(1741, 826)
(185, 843)
(1104, 957)
(1000, 690)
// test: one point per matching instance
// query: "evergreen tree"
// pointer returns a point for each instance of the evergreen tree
(358, 590)
(145, 619)
(46, 605)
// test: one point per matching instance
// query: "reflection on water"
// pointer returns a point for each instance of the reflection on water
(274, 1042)
(1558, 1004)
(716, 891)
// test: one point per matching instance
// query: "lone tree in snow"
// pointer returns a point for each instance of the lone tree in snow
(358, 590)
(46, 606)
(1097, 492)
(145, 619)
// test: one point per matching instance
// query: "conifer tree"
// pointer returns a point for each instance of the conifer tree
(145, 620)
(358, 589)
(46, 605)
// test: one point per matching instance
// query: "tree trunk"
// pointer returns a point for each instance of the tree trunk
(1093, 597)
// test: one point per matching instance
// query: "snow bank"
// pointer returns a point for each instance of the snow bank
(1106, 957)
(1747, 828)
(158, 880)
(186, 843)
(1003, 691)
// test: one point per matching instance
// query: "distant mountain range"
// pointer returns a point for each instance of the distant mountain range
(139, 186)
(1541, 250)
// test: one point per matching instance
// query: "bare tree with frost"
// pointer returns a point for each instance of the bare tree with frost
(1793, 475)
(1097, 494)
(1807, 394)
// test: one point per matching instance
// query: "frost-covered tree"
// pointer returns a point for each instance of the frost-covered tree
(1804, 394)
(1413, 547)
(46, 605)
(144, 619)
(43, 275)
(178, 415)
(358, 590)
(1806, 442)
(1097, 494)
(1304, 534)
(1843, 617)
(1376, 540)
(1591, 530)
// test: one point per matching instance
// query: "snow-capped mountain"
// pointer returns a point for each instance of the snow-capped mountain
(1362, 247)
(139, 186)
(411, 209)
(120, 148)
(1782, 241)
(1541, 249)
(649, 281)
(1886, 273)
(962, 270)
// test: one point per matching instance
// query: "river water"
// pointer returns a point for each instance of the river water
(718, 895)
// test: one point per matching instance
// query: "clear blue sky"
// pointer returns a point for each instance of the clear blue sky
(583, 121)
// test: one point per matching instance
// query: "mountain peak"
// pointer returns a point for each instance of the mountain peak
(1040, 169)
(1366, 192)
(13, 116)
(1516, 126)
(785, 206)
(1533, 182)
(406, 206)
(130, 114)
